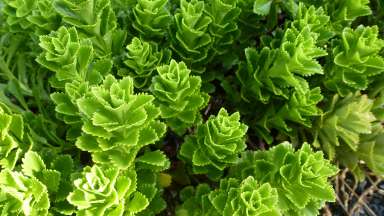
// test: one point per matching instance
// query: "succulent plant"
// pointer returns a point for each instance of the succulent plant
(106, 192)
(117, 122)
(179, 96)
(356, 60)
(119, 107)
(300, 177)
(191, 40)
(95, 18)
(343, 123)
(233, 197)
(11, 133)
(22, 195)
(216, 144)
(142, 59)
(151, 18)
(247, 197)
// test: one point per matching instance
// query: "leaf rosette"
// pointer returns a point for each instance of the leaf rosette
(247, 197)
(192, 40)
(179, 96)
(142, 59)
(17, 12)
(301, 177)
(232, 198)
(95, 18)
(71, 58)
(11, 136)
(342, 124)
(316, 19)
(223, 29)
(106, 191)
(300, 109)
(22, 195)
(151, 18)
(36, 16)
(195, 201)
(216, 144)
(60, 51)
(351, 132)
(357, 61)
(117, 122)
(273, 72)
(343, 12)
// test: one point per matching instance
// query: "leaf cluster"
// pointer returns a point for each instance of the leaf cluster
(134, 107)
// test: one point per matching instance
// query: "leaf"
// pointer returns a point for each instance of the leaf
(32, 164)
(17, 126)
(63, 164)
(216, 144)
(179, 95)
(262, 7)
(137, 203)
(156, 159)
(51, 179)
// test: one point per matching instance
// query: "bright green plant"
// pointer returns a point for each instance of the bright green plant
(45, 18)
(99, 191)
(31, 15)
(96, 19)
(18, 12)
(150, 167)
(344, 12)
(37, 188)
(191, 40)
(233, 197)
(11, 132)
(178, 95)
(316, 19)
(343, 123)
(350, 132)
(55, 176)
(245, 198)
(75, 69)
(270, 72)
(151, 18)
(22, 195)
(61, 51)
(108, 107)
(142, 60)
(215, 145)
(300, 109)
(34, 166)
(71, 58)
(224, 29)
(300, 177)
(276, 79)
(117, 122)
(356, 60)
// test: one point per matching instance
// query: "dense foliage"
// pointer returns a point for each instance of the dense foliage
(187, 107)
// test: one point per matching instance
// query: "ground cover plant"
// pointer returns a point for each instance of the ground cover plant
(189, 107)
